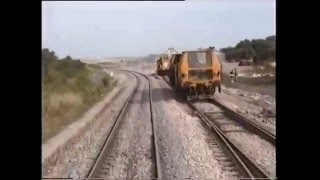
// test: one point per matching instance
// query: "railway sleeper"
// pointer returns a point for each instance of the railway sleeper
(227, 163)
(219, 154)
(222, 158)
(232, 172)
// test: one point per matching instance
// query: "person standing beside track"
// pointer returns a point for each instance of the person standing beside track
(235, 75)
(231, 75)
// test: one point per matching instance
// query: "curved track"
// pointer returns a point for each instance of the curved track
(99, 167)
(247, 166)
(156, 148)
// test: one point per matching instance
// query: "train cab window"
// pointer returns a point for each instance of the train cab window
(199, 59)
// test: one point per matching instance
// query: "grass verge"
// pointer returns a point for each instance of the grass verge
(70, 88)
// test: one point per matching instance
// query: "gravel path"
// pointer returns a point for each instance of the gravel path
(131, 155)
(77, 158)
(187, 149)
(258, 150)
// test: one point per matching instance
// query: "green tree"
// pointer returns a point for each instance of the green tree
(47, 57)
(258, 49)
(68, 58)
(271, 38)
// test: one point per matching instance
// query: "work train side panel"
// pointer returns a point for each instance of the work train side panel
(183, 69)
(216, 68)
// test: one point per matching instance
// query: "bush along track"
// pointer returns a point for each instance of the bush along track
(69, 88)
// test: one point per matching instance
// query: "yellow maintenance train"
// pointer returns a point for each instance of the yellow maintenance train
(196, 74)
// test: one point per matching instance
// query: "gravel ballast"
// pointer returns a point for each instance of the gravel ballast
(260, 151)
(131, 155)
(257, 149)
(187, 149)
(250, 105)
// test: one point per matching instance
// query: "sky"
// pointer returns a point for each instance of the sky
(116, 29)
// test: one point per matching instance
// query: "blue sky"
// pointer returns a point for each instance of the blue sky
(108, 29)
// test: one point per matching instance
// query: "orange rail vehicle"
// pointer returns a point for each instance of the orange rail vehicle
(196, 73)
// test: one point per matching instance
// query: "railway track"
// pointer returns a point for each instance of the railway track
(156, 148)
(247, 167)
(249, 125)
(251, 169)
(98, 169)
